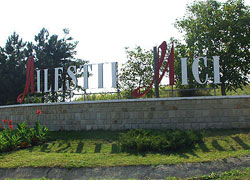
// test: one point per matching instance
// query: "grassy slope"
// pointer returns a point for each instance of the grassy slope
(100, 148)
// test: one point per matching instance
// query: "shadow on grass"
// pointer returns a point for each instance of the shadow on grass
(183, 155)
(217, 146)
(115, 149)
(82, 135)
(203, 147)
(44, 147)
(232, 148)
(224, 132)
(241, 143)
(98, 148)
(31, 149)
(191, 152)
(63, 149)
(79, 147)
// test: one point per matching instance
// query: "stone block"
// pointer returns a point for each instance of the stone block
(88, 127)
(126, 115)
(128, 126)
(195, 126)
(181, 125)
(236, 124)
(139, 115)
(115, 115)
(172, 114)
(245, 125)
(185, 126)
(148, 115)
(246, 112)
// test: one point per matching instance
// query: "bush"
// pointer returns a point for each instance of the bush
(145, 140)
(22, 136)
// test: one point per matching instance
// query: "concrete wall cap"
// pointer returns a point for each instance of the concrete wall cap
(129, 100)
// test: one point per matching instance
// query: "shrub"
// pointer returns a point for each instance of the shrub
(22, 136)
(145, 140)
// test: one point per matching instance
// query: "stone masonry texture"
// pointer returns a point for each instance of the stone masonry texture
(223, 112)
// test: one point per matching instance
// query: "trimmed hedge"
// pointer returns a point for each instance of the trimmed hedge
(148, 140)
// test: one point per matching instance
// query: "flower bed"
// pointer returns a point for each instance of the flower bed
(22, 136)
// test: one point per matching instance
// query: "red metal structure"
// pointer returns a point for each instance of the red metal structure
(169, 64)
(29, 80)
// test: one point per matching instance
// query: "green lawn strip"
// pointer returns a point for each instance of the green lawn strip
(101, 148)
(243, 174)
(31, 179)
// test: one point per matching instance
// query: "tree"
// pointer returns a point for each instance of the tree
(137, 71)
(12, 69)
(222, 29)
(181, 51)
(51, 52)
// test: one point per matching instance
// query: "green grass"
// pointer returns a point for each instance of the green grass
(165, 94)
(101, 148)
(31, 179)
(243, 174)
(244, 91)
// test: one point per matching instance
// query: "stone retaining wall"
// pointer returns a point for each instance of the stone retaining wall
(181, 113)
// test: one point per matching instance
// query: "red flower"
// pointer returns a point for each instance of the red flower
(5, 121)
(0, 125)
(11, 127)
(10, 122)
(39, 112)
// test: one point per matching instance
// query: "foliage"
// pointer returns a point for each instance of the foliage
(192, 89)
(12, 69)
(219, 29)
(22, 136)
(141, 140)
(98, 97)
(229, 175)
(50, 52)
(137, 71)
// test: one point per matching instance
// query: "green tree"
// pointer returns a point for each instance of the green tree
(222, 29)
(137, 71)
(181, 51)
(51, 52)
(12, 69)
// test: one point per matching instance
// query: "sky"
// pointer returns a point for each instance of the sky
(103, 27)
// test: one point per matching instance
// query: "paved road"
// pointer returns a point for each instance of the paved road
(125, 172)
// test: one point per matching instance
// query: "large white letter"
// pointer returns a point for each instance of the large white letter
(216, 70)
(100, 75)
(46, 81)
(114, 74)
(72, 76)
(184, 71)
(85, 75)
(38, 81)
(195, 69)
(56, 78)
